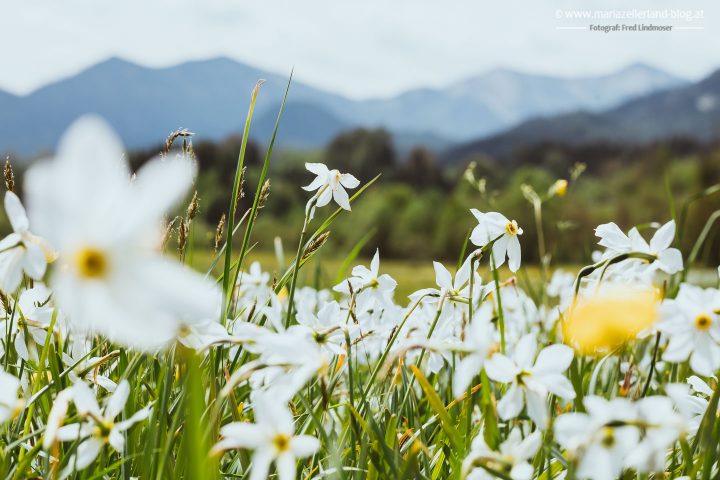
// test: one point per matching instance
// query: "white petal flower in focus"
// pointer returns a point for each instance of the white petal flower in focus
(331, 185)
(668, 259)
(495, 227)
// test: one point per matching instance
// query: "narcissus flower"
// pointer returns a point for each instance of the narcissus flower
(616, 434)
(511, 459)
(495, 227)
(477, 344)
(369, 284)
(10, 404)
(331, 185)
(272, 437)
(21, 251)
(692, 322)
(112, 278)
(100, 427)
(601, 439)
(530, 383)
(668, 259)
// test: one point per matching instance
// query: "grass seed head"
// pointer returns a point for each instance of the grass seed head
(219, 232)
(9, 176)
(183, 230)
(315, 245)
(264, 193)
(193, 207)
(183, 133)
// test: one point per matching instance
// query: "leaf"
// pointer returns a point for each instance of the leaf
(491, 433)
(439, 408)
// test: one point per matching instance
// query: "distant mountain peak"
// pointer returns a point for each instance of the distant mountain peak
(641, 67)
(210, 96)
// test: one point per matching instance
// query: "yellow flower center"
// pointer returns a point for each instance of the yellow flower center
(608, 437)
(703, 322)
(92, 263)
(281, 442)
(102, 429)
(511, 228)
(337, 176)
(184, 331)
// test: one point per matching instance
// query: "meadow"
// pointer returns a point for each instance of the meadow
(141, 341)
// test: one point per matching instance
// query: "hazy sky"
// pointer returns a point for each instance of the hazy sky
(360, 48)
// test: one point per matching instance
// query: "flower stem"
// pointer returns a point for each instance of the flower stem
(296, 269)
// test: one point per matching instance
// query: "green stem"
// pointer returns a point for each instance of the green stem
(296, 269)
(501, 316)
(652, 365)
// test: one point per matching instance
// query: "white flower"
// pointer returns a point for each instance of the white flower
(112, 278)
(200, 335)
(693, 327)
(89, 368)
(100, 427)
(21, 251)
(530, 384)
(253, 284)
(561, 284)
(478, 340)
(329, 184)
(668, 259)
(691, 405)
(368, 284)
(272, 437)
(56, 417)
(286, 361)
(36, 316)
(661, 427)
(454, 289)
(495, 227)
(512, 458)
(10, 404)
(327, 328)
(600, 438)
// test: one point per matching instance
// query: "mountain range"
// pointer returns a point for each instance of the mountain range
(210, 97)
(691, 111)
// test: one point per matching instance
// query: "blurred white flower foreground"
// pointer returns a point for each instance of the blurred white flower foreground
(119, 362)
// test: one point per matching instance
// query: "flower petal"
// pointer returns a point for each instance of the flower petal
(501, 369)
(511, 404)
(341, 198)
(16, 213)
(514, 254)
(442, 276)
(663, 237)
(553, 359)
(118, 400)
(349, 181)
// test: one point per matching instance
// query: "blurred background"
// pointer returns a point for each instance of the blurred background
(458, 104)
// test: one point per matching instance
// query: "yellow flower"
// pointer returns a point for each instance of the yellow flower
(559, 188)
(610, 317)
